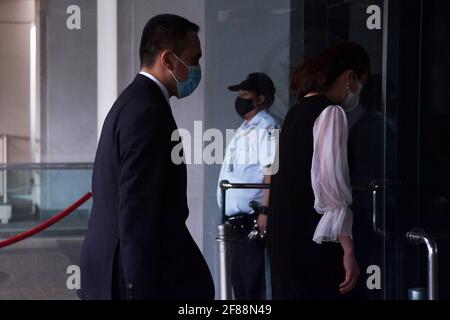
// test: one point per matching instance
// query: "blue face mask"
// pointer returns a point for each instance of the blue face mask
(185, 88)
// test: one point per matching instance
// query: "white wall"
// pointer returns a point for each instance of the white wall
(16, 18)
(69, 82)
(68, 100)
(106, 59)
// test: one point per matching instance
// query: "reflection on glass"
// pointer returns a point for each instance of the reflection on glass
(35, 195)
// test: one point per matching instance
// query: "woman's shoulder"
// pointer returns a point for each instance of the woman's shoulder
(332, 110)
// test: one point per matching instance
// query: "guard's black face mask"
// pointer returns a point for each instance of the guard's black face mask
(243, 106)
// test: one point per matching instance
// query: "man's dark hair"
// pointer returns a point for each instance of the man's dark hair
(164, 31)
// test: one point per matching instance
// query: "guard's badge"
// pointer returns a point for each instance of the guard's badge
(272, 133)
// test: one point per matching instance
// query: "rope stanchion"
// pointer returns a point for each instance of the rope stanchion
(48, 223)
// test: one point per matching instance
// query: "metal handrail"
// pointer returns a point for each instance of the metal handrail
(225, 185)
(374, 187)
(417, 236)
(13, 136)
(47, 166)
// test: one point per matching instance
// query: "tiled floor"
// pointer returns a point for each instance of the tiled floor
(35, 269)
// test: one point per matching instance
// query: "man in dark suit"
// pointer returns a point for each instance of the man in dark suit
(137, 245)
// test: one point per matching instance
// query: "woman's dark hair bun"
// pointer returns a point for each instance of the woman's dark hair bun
(318, 72)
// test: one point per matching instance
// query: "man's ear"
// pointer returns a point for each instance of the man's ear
(166, 59)
(260, 100)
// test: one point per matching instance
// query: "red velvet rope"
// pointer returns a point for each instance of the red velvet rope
(46, 224)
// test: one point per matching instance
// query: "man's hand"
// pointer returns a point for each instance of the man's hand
(262, 223)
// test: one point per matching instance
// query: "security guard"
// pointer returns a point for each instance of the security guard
(250, 158)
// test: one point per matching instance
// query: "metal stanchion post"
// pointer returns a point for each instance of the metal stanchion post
(4, 179)
(224, 238)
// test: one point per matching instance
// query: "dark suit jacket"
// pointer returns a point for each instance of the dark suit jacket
(137, 223)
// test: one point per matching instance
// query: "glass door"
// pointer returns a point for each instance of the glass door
(418, 107)
(399, 142)
(324, 23)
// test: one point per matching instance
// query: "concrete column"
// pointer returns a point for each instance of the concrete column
(106, 59)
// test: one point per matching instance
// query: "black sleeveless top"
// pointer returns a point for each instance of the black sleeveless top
(301, 269)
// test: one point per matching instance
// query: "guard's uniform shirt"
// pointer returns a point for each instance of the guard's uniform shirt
(249, 157)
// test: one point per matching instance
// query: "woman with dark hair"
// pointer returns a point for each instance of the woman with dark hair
(311, 193)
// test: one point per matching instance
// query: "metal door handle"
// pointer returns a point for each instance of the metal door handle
(375, 223)
(416, 236)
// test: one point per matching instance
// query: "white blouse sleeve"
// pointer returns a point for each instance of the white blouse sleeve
(330, 176)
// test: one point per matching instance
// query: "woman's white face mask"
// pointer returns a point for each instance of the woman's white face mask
(352, 99)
